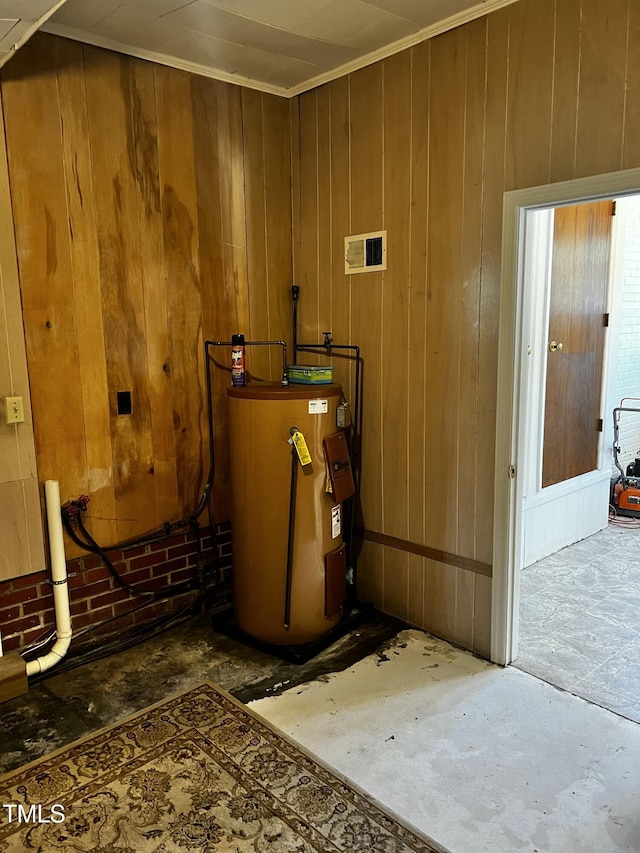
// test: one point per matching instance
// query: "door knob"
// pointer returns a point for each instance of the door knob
(555, 347)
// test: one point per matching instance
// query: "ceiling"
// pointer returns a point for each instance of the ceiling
(19, 20)
(281, 46)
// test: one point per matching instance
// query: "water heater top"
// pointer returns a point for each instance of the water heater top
(276, 391)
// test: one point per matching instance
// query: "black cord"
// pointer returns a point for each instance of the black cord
(155, 536)
(176, 589)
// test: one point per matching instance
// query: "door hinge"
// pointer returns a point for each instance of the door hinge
(512, 472)
(599, 425)
(614, 204)
(605, 320)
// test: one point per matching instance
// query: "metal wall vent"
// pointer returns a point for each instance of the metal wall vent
(365, 252)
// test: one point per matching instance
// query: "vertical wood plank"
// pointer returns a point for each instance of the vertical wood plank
(277, 158)
(471, 273)
(34, 148)
(366, 288)
(107, 79)
(395, 322)
(631, 141)
(21, 538)
(443, 331)
(233, 220)
(340, 228)
(17, 447)
(268, 200)
(218, 316)
(469, 347)
(416, 590)
(182, 277)
(143, 155)
(255, 200)
(482, 617)
(440, 599)
(365, 94)
(465, 608)
(307, 263)
(11, 467)
(17, 528)
(418, 306)
(601, 89)
(215, 310)
(446, 170)
(370, 579)
(417, 310)
(343, 367)
(296, 190)
(494, 186)
(530, 85)
(325, 247)
(566, 65)
(87, 297)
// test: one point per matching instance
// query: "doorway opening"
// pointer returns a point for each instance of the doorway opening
(525, 353)
(579, 613)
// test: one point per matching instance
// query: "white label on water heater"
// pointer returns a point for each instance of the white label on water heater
(336, 525)
(318, 407)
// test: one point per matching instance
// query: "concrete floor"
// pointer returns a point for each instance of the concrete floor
(66, 706)
(478, 757)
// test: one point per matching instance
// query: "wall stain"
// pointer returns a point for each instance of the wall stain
(125, 350)
(142, 145)
(185, 325)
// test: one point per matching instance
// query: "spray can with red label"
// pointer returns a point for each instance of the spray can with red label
(238, 374)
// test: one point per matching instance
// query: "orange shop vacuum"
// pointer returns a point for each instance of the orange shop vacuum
(625, 489)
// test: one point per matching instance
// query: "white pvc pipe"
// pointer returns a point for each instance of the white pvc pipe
(59, 578)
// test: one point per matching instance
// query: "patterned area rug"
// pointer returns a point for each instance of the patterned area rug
(198, 772)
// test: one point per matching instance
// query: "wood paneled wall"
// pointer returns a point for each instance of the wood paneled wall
(152, 210)
(424, 144)
(21, 530)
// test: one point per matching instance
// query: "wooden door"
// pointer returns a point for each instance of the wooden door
(577, 311)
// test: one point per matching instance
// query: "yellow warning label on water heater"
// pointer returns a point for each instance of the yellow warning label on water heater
(301, 448)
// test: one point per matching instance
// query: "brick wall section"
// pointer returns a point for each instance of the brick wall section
(26, 603)
(628, 376)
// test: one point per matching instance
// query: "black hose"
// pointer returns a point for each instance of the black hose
(176, 589)
(295, 293)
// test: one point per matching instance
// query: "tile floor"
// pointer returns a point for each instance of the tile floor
(580, 620)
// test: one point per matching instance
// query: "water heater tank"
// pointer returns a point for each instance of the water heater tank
(271, 603)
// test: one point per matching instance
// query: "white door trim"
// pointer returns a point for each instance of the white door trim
(510, 444)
